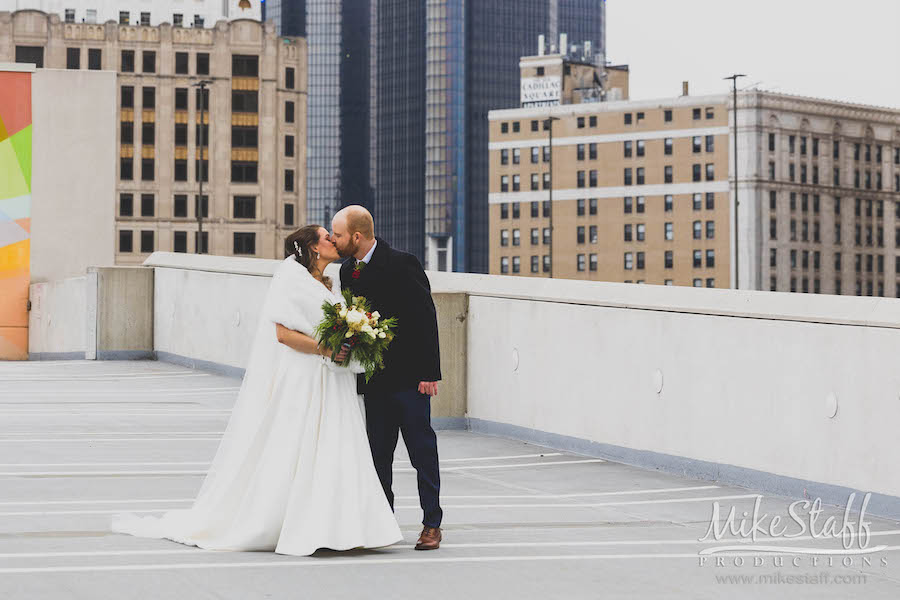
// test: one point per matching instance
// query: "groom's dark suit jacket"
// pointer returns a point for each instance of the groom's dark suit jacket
(396, 285)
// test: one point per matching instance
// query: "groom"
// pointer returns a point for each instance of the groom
(397, 398)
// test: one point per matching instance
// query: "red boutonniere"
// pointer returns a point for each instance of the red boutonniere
(360, 265)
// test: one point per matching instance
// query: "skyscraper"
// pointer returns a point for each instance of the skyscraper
(438, 67)
(399, 92)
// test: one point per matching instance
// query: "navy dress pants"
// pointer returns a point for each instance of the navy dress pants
(407, 412)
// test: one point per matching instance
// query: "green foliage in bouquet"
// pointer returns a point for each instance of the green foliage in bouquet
(354, 323)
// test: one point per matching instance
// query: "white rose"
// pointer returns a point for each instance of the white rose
(349, 334)
(375, 315)
(366, 328)
(354, 317)
(382, 335)
(343, 313)
(371, 333)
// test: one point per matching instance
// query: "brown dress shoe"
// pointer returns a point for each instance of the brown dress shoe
(429, 539)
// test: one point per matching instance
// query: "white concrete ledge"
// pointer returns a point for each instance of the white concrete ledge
(775, 306)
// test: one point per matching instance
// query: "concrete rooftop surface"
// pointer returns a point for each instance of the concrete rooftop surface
(81, 440)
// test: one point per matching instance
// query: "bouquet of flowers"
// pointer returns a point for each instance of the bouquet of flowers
(353, 324)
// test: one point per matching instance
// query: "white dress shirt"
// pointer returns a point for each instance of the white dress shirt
(369, 254)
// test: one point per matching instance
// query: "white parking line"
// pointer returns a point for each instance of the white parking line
(337, 562)
(556, 505)
(443, 497)
(584, 495)
(397, 470)
(563, 544)
(517, 465)
(97, 440)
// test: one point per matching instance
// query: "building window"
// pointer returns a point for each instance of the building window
(667, 115)
(592, 206)
(669, 259)
(710, 258)
(289, 180)
(628, 118)
(243, 172)
(535, 236)
(179, 241)
(515, 183)
(203, 240)
(697, 144)
(244, 243)
(580, 122)
(148, 61)
(516, 210)
(710, 172)
(148, 169)
(126, 169)
(627, 148)
(698, 259)
(580, 208)
(516, 264)
(710, 143)
(697, 173)
(668, 203)
(504, 183)
(667, 174)
(535, 155)
(593, 234)
(504, 265)
(148, 134)
(640, 148)
(148, 98)
(580, 262)
(629, 261)
(535, 183)
(710, 200)
(516, 238)
(30, 54)
(289, 214)
(504, 210)
(579, 238)
(198, 22)
(668, 232)
(289, 111)
(592, 151)
(592, 179)
(147, 242)
(181, 63)
(535, 264)
(181, 134)
(202, 59)
(698, 230)
(697, 201)
(181, 169)
(504, 156)
(579, 152)
(771, 170)
(181, 103)
(180, 206)
(516, 155)
(640, 176)
(70, 15)
(126, 132)
(127, 65)
(245, 207)
(73, 58)
(773, 257)
(627, 176)
(627, 204)
(641, 231)
(710, 230)
(147, 205)
(696, 114)
(771, 142)
(640, 260)
(289, 145)
(289, 78)
(640, 204)
(628, 232)
(504, 237)
(126, 241)
(178, 21)
(668, 146)
(515, 126)
(545, 234)
(126, 205)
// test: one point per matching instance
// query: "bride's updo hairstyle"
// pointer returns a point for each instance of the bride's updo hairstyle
(300, 244)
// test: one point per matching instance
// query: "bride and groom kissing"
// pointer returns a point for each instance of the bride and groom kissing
(306, 459)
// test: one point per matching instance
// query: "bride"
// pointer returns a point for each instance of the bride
(294, 471)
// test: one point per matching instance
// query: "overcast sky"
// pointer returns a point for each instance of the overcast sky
(837, 49)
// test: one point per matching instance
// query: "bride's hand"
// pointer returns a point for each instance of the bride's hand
(342, 355)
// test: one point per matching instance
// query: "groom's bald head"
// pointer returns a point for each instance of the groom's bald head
(355, 219)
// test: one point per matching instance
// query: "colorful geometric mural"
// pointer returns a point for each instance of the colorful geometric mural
(15, 212)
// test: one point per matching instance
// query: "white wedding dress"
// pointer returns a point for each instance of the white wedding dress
(293, 472)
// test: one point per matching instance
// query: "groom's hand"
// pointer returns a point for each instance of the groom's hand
(429, 388)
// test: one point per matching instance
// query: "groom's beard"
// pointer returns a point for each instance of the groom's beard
(347, 251)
